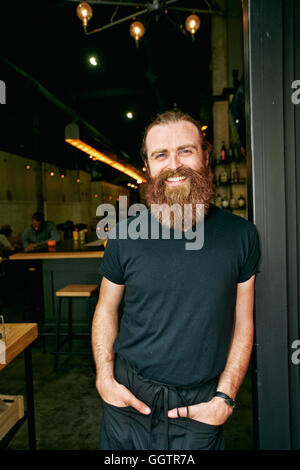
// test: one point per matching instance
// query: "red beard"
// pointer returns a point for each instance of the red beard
(199, 189)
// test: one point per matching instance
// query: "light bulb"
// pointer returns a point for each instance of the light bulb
(137, 30)
(93, 61)
(192, 23)
(84, 12)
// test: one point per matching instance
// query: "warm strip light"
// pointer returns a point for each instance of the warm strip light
(103, 158)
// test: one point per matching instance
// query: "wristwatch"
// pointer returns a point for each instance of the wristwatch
(226, 398)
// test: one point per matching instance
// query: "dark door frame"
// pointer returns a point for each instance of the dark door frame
(272, 50)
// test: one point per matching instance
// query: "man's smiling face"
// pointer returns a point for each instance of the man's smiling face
(177, 170)
(172, 147)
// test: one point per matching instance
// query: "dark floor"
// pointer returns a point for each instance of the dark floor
(68, 408)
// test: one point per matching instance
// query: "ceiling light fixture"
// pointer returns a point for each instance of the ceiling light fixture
(72, 137)
(137, 31)
(137, 28)
(84, 12)
(93, 61)
(192, 24)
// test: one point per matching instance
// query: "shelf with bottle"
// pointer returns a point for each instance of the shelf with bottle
(232, 203)
(224, 178)
(229, 183)
(235, 154)
(226, 162)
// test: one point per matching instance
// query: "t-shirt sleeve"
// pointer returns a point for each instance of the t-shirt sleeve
(54, 233)
(111, 267)
(250, 265)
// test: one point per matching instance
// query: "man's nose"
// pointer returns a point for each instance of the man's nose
(174, 162)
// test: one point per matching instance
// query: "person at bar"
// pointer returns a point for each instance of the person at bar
(39, 232)
(6, 247)
(169, 375)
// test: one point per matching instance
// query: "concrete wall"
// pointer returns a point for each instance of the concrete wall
(23, 192)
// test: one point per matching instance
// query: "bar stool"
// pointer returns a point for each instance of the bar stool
(68, 293)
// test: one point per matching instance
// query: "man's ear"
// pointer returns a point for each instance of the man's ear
(206, 158)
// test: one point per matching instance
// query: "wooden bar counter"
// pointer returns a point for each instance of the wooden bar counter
(69, 262)
(67, 249)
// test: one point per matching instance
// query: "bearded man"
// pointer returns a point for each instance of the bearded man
(169, 373)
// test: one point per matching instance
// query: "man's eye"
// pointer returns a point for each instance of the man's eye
(160, 155)
(186, 151)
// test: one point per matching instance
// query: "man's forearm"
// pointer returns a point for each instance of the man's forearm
(241, 342)
(104, 332)
(237, 361)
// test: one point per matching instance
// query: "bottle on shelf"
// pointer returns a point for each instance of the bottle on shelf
(235, 178)
(233, 202)
(223, 176)
(242, 154)
(236, 153)
(218, 201)
(230, 153)
(241, 202)
(223, 153)
(75, 234)
(225, 202)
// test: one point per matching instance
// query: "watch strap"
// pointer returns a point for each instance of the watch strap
(225, 397)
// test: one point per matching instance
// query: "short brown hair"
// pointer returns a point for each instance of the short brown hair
(168, 117)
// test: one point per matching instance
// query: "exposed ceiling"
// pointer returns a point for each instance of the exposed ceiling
(43, 43)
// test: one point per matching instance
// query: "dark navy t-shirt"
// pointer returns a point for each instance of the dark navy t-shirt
(179, 304)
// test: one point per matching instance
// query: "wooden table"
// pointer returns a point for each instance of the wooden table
(19, 338)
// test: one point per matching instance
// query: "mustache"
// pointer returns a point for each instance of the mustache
(158, 182)
(164, 174)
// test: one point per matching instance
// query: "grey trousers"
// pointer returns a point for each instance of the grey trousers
(124, 428)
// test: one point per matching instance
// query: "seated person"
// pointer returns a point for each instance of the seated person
(39, 232)
(6, 248)
(15, 241)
